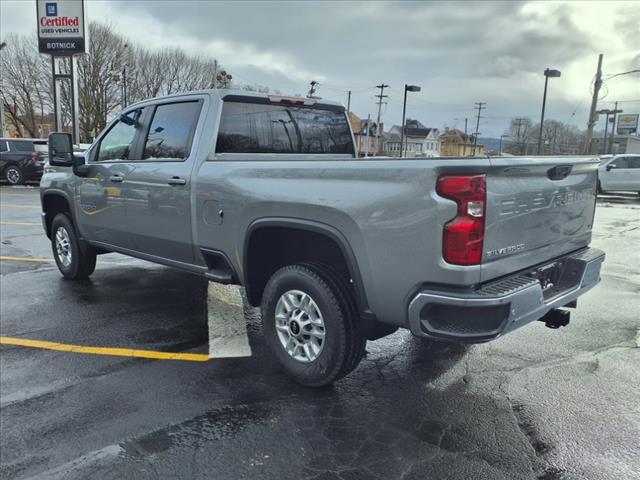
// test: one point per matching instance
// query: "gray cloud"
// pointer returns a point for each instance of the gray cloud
(460, 52)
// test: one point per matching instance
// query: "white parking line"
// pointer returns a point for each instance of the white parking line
(227, 325)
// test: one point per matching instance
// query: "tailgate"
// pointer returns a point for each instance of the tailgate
(537, 209)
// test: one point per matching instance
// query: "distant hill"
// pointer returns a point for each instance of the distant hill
(491, 143)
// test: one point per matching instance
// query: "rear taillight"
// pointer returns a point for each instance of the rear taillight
(34, 157)
(463, 236)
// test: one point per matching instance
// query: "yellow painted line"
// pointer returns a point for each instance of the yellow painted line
(27, 259)
(116, 352)
(22, 223)
(19, 206)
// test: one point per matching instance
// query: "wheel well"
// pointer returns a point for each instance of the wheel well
(270, 248)
(52, 205)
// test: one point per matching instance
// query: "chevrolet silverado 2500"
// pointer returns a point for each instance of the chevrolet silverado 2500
(267, 192)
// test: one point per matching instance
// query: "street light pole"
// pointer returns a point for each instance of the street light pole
(547, 73)
(615, 113)
(407, 88)
(500, 147)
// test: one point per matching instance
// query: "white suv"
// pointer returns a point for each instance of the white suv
(620, 173)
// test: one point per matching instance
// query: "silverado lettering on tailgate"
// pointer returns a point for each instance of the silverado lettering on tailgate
(530, 202)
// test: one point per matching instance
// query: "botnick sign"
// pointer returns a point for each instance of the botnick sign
(627, 124)
(61, 27)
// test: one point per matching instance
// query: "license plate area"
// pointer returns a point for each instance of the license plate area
(550, 277)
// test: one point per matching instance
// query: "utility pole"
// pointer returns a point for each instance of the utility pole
(366, 132)
(349, 102)
(480, 106)
(615, 113)
(313, 88)
(466, 137)
(519, 122)
(382, 86)
(594, 103)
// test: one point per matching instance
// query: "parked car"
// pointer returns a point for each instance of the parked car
(267, 192)
(619, 173)
(22, 159)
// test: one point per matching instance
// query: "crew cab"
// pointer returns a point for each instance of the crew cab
(619, 173)
(267, 192)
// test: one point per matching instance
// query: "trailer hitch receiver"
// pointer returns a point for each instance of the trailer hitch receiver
(556, 318)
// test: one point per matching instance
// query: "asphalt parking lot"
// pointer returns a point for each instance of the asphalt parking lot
(536, 404)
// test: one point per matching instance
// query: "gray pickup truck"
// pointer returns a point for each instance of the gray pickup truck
(267, 192)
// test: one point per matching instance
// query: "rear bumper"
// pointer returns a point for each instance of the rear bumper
(499, 307)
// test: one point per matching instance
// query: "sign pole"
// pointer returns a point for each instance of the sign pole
(56, 109)
(75, 104)
(61, 34)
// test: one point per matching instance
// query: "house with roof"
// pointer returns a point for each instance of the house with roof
(454, 143)
(419, 140)
(366, 135)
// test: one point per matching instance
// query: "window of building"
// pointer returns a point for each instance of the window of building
(267, 128)
(171, 131)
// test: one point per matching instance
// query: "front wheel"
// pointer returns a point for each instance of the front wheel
(73, 263)
(311, 325)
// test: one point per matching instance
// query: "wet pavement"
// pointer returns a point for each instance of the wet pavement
(536, 404)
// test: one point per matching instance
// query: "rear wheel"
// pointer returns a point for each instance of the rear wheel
(73, 263)
(310, 324)
(14, 175)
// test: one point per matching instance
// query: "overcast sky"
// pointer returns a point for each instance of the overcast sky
(460, 53)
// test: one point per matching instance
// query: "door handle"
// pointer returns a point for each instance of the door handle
(116, 178)
(176, 181)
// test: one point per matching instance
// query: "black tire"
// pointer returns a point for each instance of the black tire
(13, 174)
(343, 345)
(79, 265)
(356, 336)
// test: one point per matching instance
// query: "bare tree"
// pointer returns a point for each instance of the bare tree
(557, 138)
(99, 89)
(169, 71)
(25, 87)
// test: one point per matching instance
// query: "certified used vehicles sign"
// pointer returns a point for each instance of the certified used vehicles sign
(61, 27)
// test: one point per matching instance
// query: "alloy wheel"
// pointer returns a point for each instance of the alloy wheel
(300, 326)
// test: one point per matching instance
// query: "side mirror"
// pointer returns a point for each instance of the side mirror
(610, 167)
(60, 150)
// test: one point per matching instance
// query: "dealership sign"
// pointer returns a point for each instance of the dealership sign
(61, 27)
(627, 123)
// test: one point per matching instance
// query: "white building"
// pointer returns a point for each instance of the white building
(419, 141)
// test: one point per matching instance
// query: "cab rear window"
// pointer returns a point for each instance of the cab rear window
(267, 128)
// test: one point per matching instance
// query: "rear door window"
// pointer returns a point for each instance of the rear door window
(171, 131)
(633, 162)
(620, 162)
(3, 145)
(267, 128)
(21, 146)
